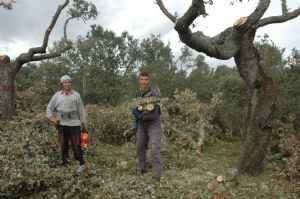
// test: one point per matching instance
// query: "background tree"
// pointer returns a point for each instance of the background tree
(231, 113)
(9, 69)
(101, 63)
(7, 4)
(157, 58)
(288, 94)
(200, 79)
(237, 41)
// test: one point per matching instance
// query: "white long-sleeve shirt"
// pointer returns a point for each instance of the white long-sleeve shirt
(70, 110)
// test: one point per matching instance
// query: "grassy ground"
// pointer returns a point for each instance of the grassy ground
(29, 169)
(187, 174)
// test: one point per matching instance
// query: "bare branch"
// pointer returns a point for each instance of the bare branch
(196, 9)
(51, 55)
(65, 28)
(52, 24)
(284, 7)
(279, 19)
(27, 57)
(165, 11)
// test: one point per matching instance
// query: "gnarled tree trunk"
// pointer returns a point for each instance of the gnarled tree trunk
(7, 74)
(262, 103)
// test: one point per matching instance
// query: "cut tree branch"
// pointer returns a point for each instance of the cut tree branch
(51, 55)
(255, 16)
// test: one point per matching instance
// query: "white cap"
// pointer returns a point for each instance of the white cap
(65, 78)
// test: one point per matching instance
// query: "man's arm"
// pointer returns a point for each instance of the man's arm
(81, 111)
(50, 111)
(51, 107)
(155, 93)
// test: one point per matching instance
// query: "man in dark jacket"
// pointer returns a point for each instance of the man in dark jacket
(148, 126)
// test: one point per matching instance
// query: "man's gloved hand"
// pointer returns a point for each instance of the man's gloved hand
(54, 121)
(134, 126)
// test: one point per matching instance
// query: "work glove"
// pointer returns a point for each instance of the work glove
(134, 126)
(54, 121)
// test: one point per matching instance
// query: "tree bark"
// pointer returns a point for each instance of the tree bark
(262, 104)
(8, 93)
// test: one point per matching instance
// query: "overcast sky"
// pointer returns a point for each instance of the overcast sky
(24, 26)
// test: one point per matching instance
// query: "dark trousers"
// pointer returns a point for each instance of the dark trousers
(149, 132)
(67, 134)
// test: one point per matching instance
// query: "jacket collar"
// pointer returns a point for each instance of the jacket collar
(66, 93)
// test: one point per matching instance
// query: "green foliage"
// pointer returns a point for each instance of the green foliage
(287, 90)
(186, 120)
(7, 4)
(231, 113)
(46, 72)
(26, 77)
(105, 59)
(286, 142)
(110, 124)
(271, 56)
(30, 156)
(33, 99)
(104, 68)
(82, 9)
(156, 58)
(200, 80)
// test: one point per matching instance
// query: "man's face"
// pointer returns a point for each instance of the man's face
(67, 85)
(144, 81)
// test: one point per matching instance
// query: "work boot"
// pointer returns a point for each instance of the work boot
(140, 172)
(156, 179)
(65, 163)
(157, 188)
(80, 169)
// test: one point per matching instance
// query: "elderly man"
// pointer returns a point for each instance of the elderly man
(148, 126)
(70, 120)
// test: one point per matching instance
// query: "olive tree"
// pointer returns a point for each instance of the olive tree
(80, 9)
(237, 41)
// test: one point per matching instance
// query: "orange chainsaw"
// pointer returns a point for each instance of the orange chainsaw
(84, 139)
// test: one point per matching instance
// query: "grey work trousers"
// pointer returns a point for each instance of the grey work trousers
(149, 132)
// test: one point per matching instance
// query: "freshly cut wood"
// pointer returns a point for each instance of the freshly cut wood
(2, 57)
(220, 178)
(199, 149)
(210, 186)
(240, 21)
(2, 122)
(88, 166)
(219, 196)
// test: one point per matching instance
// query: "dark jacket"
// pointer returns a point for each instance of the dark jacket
(156, 112)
